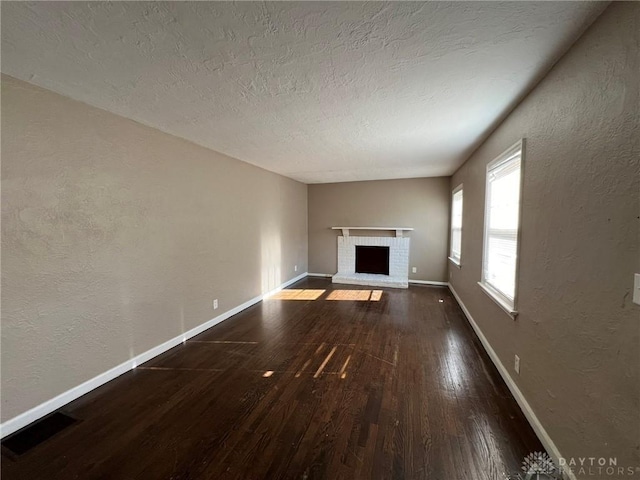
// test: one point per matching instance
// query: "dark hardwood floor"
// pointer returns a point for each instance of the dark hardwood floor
(395, 388)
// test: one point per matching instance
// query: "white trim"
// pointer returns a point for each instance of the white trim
(429, 282)
(533, 420)
(493, 295)
(455, 262)
(417, 282)
(399, 230)
(16, 423)
(372, 228)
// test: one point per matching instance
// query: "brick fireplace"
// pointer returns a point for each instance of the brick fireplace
(398, 255)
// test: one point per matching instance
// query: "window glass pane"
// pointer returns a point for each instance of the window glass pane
(504, 204)
(456, 240)
(501, 262)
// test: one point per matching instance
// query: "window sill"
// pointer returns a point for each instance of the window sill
(455, 262)
(501, 303)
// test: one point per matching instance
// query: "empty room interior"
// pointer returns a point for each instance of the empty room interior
(320, 240)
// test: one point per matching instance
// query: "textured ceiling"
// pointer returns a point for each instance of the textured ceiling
(320, 92)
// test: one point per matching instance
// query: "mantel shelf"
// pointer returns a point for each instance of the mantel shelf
(399, 230)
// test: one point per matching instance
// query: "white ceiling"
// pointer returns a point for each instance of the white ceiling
(319, 92)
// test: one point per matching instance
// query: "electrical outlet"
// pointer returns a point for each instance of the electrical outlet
(215, 304)
(295, 268)
(636, 288)
(516, 364)
(414, 269)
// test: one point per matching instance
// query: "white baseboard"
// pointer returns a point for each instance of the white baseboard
(417, 282)
(535, 423)
(24, 419)
(429, 282)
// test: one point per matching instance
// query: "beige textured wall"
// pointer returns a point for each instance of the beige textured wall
(421, 203)
(578, 331)
(117, 237)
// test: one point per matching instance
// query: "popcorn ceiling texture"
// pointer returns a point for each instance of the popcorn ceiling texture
(317, 91)
(578, 332)
(117, 237)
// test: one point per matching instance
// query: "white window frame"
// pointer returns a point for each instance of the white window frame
(456, 261)
(508, 305)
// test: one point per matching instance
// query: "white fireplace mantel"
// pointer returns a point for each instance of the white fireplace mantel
(399, 230)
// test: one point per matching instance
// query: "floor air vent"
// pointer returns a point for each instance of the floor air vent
(33, 435)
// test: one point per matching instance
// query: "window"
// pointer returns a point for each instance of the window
(456, 226)
(501, 228)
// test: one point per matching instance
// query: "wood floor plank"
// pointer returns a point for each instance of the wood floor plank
(392, 388)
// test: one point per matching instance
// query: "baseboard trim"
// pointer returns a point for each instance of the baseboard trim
(429, 282)
(417, 282)
(533, 420)
(16, 423)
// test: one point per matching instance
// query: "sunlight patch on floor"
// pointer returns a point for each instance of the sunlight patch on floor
(297, 294)
(356, 295)
(376, 295)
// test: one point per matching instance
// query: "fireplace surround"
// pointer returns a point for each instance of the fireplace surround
(398, 246)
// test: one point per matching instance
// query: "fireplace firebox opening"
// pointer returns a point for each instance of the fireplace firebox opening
(372, 259)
